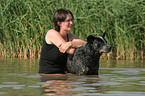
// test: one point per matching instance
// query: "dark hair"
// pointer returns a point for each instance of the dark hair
(60, 15)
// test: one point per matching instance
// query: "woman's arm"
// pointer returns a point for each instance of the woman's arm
(54, 37)
(73, 43)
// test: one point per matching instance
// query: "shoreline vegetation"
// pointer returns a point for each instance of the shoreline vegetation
(24, 23)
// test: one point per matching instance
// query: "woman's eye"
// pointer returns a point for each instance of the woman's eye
(69, 20)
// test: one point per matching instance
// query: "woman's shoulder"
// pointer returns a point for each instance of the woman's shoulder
(50, 34)
(51, 31)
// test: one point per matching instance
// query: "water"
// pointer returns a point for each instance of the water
(19, 77)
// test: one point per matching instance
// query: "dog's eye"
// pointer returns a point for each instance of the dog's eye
(99, 44)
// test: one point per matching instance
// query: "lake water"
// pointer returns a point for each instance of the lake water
(19, 77)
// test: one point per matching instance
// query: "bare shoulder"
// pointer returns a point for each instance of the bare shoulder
(72, 36)
(50, 35)
(51, 31)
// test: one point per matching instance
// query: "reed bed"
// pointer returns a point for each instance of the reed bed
(24, 23)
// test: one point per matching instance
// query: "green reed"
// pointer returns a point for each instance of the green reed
(24, 23)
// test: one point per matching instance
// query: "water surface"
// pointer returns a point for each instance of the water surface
(19, 77)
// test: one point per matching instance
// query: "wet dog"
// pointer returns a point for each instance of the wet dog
(85, 60)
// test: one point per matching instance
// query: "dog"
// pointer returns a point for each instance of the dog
(85, 60)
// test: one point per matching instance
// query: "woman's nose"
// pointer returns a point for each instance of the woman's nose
(71, 22)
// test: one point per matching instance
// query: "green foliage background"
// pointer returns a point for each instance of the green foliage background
(24, 23)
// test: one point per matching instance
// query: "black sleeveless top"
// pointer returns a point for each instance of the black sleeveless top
(52, 60)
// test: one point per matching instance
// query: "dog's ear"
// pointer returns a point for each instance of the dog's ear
(103, 35)
(90, 39)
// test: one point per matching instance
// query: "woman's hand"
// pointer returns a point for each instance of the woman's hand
(64, 47)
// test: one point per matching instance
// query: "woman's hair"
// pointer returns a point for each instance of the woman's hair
(60, 15)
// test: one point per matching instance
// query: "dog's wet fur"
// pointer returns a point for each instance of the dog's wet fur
(85, 60)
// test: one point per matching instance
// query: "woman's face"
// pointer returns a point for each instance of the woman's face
(67, 24)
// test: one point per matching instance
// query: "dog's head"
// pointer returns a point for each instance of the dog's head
(98, 43)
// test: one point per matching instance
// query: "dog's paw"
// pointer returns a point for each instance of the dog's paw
(83, 71)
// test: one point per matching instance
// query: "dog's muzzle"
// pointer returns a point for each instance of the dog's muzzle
(105, 49)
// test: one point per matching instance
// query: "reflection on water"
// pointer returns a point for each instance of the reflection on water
(56, 85)
(69, 84)
(19, 77)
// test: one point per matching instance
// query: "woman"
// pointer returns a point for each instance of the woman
(58, 44)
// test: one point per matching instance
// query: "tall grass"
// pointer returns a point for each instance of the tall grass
(24, 23)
